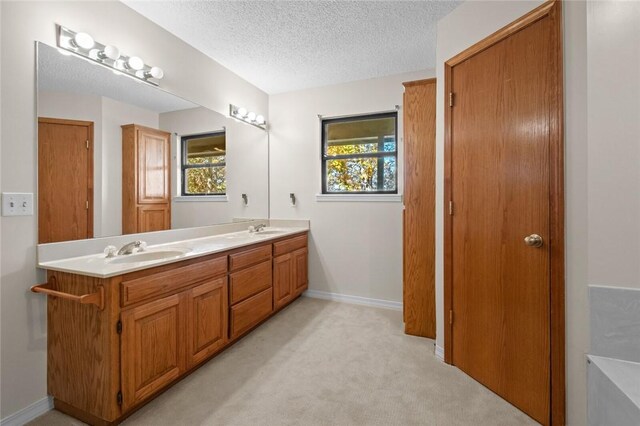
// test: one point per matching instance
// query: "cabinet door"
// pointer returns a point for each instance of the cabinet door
(250, 312)
(153, 345)
(282, 279)
(300, 276)
(207, 315)
(154, 217)
(154, 165)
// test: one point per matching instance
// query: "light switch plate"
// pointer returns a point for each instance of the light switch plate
(17, 204)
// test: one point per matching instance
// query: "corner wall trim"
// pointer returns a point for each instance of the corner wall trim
(28, 413)
(439, 352)
(356, 300)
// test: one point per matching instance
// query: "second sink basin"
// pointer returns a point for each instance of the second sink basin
(147, 256)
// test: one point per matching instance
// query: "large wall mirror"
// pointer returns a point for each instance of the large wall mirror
(118, 156)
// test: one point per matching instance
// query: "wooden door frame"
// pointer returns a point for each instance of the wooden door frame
(553, 10)
(90, 188)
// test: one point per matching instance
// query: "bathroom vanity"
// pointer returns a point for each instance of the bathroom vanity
(122, 330)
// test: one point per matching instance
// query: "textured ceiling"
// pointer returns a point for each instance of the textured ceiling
(281, 46)
(68, 73)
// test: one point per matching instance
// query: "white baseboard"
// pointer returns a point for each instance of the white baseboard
(356, 300)
(28, 413)
(439, 353)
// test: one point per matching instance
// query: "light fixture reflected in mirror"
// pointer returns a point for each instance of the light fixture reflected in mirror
(249, 117)
(82, 44)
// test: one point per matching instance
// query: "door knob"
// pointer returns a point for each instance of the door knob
(533, 240)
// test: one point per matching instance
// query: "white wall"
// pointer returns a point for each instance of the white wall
(469, 23)
(613, 62)
(246, 167)
(23, 314)
(355, 247)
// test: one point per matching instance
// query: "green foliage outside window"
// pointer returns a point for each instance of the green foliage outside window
(366, 151)
(204, 171)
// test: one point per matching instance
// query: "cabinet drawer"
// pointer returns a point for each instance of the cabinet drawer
(249, 257)
(172, 280)
(250, 312)
(291, 244)
(250, 281)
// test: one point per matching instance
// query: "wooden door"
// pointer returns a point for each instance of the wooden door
(154, 165)
(153, 348)
(419, 227)
(65, 180)
(154, 217)
(282, 279)
(300, 274)
(503, 146)
(207, 315)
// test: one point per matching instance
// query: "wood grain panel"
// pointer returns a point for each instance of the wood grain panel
(249, 257)
(289, 245)
(250, 281)
(154, 217)
(250, 312)
(83, 361)
(419, 228)
(207, 319)
(502, 143)
(282, 280)
(154, 164)
(170, 280)
(65, 180)
(300, 271)
(153, 348)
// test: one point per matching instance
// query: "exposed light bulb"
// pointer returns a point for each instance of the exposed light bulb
(83, 40)
(111, 52)
(251, 116)
(141, 74)
(135, 63)
(156, 72)
(260, 119)
(119, 64)
(94, 54)
(242, 112)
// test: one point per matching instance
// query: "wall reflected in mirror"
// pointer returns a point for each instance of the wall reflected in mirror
(118, 156)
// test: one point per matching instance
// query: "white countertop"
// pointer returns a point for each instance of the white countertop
(97, 265)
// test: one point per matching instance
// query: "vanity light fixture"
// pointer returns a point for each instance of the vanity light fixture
(82, 44)
(250, 117)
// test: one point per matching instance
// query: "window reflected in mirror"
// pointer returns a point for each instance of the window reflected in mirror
(204, 164)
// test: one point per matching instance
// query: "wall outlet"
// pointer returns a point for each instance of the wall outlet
(17, 204)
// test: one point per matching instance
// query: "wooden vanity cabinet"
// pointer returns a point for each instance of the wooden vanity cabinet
(153, 348)
(289, 270)
(158, 324)
(251, 293)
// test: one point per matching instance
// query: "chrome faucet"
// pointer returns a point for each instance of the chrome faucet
(257, 228)
(128, 248)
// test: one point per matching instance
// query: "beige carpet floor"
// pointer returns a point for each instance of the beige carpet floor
(325, 363)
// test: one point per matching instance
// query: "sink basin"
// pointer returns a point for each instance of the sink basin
(148, 256)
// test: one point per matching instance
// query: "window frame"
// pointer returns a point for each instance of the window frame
(380, 155)
(184, 166)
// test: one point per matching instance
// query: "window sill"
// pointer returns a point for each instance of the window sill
(365, 198)
(201, 198)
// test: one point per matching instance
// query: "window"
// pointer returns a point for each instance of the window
(203, 164)
(359, 154)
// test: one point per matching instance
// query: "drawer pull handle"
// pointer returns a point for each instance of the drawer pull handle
(96, 298)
